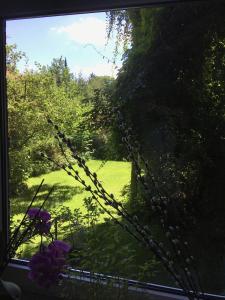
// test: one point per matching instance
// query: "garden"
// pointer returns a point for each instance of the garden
(143, 150)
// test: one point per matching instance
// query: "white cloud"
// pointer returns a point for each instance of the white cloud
(85, 30)
(99, 69)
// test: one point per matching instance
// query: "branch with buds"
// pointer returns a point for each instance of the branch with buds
(179, 263)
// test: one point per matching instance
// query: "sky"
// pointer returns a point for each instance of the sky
(80, 38)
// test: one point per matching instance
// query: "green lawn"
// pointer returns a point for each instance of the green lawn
(113, 175)
(106, 248)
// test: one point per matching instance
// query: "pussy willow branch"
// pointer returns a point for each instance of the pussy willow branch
(180, 247)
(109, 199)
(94, 194)
(102, 193)
(153, 245)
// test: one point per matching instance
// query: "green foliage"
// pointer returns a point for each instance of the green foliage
(171, 90)
(13, 57)
(118, 22)
(172, 87)
(81, 107)
(105, 248)
(32, 97)
(60, 71)
(106, 142)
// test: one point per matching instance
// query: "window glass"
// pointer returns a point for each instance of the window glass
(140, 94)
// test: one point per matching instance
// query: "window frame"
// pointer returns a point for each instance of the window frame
(28, 9)
(136, 290)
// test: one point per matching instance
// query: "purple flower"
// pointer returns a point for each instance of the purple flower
(43, 228)
(45, 216)
(59, 247)
(42, 218)
(36, 212)
(47, 265)
(32, 212)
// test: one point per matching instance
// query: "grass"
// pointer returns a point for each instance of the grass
(105, 248)
(114, 176)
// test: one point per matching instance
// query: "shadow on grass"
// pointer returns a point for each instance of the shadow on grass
(60, 194)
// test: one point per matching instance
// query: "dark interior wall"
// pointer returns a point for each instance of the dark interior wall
(26, 8)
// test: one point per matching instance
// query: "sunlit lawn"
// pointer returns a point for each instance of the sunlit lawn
(113, 175)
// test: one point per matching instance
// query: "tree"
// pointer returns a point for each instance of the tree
(172, 87)
(105, 139)
(33, 96)
(60, 71)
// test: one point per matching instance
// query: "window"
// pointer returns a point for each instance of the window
(171, 88)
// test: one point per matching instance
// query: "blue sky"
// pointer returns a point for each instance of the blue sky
(79, 38)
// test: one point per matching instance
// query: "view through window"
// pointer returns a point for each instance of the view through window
(139, 93)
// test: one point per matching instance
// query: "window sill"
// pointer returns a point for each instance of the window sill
(17, 273)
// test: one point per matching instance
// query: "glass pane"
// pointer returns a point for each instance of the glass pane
(140, 95)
